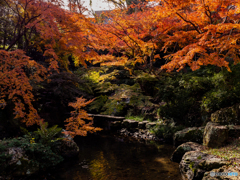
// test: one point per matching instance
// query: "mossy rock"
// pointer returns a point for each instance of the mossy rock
(224, 169)
(195, 163)
(183, 148)
(215, 135)
(193, 134)
(19, 164)
(23, 167)
(67, 148)
(227, 116)
(212, 163)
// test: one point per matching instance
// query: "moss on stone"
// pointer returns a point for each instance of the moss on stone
(226, 116)
(193, 134)
(191, 165)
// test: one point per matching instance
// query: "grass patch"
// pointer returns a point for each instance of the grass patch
(136, 118)
(229, 152)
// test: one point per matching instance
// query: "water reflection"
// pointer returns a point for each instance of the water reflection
(111, 158)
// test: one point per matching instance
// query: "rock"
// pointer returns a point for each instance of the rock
(224, 169)
(136, 135)
(215, 135)
(133, 124)
(150, 137)
(150, 125)
(212, 162)
(116, 125)
(142, 125)
(123, 130)
(126, 123)
(20, 165)
(17, 153)
(233, 131)
(227, 116)
(183, 148)
(65, 135)
(144, 136)
(68, 148)
(85, 167)
(195, 163)
(193, 134)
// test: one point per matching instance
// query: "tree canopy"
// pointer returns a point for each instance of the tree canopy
(177, 34)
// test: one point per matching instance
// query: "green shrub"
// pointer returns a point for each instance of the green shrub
(48, 135)
(190, 98)
(135, 118)
(4, 157)
(39, 146)
(40, 155)
(166, 131)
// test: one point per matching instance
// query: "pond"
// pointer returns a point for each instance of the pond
(110, 157)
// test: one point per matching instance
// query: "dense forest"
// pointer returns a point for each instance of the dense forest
(148, 60)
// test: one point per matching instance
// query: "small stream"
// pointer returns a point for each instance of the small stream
(110, 157)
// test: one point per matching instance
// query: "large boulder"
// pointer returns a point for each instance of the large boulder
(195, 163)
(67, 148)
(19, 164)
(227, 116)
(193, 134)
(183, 148)
(214, 174)
(215, 135)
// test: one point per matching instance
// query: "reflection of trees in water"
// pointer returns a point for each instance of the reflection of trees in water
(122, 160)
(109, 159)
(99, 167)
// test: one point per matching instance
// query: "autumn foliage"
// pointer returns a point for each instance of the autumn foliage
(17, 72)
(183, 32)
(177, 33)
(44, 27)
(80, 122)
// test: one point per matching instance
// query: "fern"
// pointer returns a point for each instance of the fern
(48, 135)
(99, 103)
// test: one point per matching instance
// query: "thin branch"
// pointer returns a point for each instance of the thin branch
(187, 21)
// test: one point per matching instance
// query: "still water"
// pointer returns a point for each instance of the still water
(108, 157)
